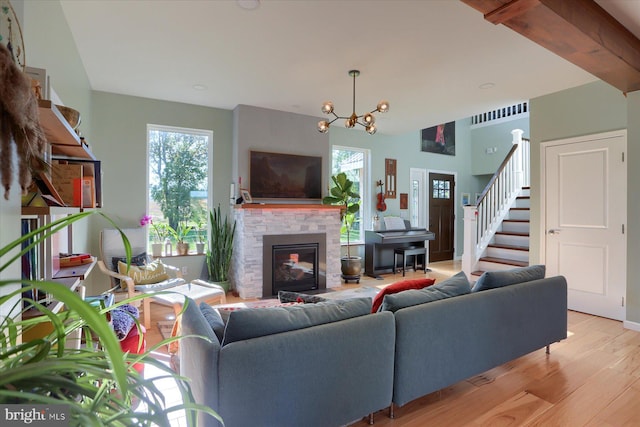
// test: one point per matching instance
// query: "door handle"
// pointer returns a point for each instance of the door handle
(553, 231)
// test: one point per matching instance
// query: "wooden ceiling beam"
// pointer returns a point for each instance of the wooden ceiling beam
(579, 31)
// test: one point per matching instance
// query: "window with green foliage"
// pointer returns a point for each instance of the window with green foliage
(355, 163)
(178, 182)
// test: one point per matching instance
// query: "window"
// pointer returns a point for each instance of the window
(441, 189)
(355, 163)
(178, 197)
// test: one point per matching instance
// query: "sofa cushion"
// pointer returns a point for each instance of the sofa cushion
(400, 286)
(253, 323)
(214, 319)
(289, 296)
(498, 279)
(451, 287)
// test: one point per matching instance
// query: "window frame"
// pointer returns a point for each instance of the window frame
(365, 189)
(191, 131)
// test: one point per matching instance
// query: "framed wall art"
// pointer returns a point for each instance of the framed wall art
(439, 139)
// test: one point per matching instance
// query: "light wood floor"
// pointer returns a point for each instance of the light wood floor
(590, 379)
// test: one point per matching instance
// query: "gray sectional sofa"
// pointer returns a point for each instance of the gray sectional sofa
(331, 363)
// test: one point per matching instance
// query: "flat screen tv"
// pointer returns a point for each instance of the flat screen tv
(285, 176)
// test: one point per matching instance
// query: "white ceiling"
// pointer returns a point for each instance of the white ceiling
(428, 58)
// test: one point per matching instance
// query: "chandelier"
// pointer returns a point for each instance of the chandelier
(368, 120)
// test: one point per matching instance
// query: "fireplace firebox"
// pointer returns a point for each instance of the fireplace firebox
(293, 262)
(295, 267)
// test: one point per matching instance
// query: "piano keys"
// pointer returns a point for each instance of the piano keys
(379, 247)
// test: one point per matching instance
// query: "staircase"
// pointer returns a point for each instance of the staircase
(496, 229)
(509, 246)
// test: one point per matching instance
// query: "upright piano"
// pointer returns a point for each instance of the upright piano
(380, 244)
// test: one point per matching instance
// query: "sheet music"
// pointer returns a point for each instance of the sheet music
(394, 223)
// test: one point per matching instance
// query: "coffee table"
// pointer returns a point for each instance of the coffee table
(175, 297)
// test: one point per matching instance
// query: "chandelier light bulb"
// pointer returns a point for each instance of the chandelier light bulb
(383, 106)
(323, 126)
(327, 107)
(371, 129)
(368, 119)
(349, 123)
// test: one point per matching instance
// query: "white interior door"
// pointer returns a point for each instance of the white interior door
(585, 200)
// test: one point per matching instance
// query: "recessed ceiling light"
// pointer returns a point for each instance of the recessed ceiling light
(199, 87)
(487, 85)
(248, 4)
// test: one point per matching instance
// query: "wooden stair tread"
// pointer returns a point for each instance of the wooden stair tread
(514, 247)
(523, 197)
(520, 209)
(516, 220)
(505, 261)
(512, 233)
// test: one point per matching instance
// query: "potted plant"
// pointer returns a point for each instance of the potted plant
(97, 385)
(342, 194)
(180, 235)
(159, 235)
(201, 233)
(220, 248)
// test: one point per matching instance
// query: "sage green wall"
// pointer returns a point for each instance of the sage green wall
(49, 44)
(584, 110)
(406, 150)
(633, 207)
(120, 142)
(495, 135)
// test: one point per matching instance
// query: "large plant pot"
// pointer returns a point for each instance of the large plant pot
(200, 248)
(182, 248)
(224, 285)
(351, 266)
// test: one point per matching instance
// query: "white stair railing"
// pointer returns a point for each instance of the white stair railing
(483, 220)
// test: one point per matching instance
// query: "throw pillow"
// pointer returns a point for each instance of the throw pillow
(144, 274)
(498, 279)
(451, 287)
(140, 259)
(253, 323)
(289, 296)
(400, 286)
(214, 319)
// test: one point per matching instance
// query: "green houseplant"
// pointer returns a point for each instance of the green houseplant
(95, 384)
(220, 248)
(180, 235)
(342, 193)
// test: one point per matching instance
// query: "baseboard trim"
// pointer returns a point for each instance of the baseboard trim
(634, 326)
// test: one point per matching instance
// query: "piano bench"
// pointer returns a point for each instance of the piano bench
(409, 251)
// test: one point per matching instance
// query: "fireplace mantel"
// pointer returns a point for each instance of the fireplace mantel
(286, 206)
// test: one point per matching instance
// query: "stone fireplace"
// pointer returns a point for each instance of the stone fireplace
(308, 236)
